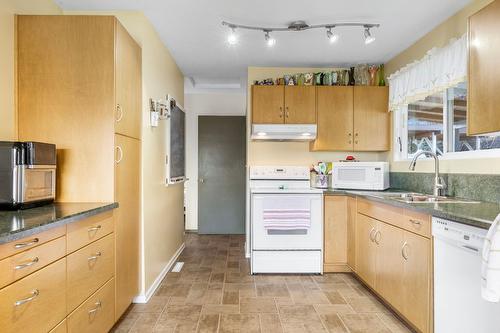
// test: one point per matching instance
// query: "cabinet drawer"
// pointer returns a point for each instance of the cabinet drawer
(36, 303)
(86, 231)
(11, 248)
(419, 223)
(60, 328)
(381, 212)
(18, 266)
(97, 314)
(88, 269)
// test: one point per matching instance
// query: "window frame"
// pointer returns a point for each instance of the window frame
(400, 137)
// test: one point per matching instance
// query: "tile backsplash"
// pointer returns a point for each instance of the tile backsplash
(471, 186)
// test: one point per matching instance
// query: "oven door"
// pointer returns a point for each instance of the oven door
(36, 184)
(295, 239)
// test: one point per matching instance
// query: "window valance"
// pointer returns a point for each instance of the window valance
(438, 70)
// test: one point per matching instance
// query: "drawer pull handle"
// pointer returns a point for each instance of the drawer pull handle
(34, 294)
(403, 251)
(95, 228)
(371, 234)
(98, 305)
(31, 242)
(415, 222)
(27, 264)
(95, 256)
(377, 237)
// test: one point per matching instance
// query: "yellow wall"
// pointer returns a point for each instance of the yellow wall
(454, 27)
(162, 206)
(8, 129)
(289, 153)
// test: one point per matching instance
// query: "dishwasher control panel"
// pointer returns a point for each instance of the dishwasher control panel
(466, 236)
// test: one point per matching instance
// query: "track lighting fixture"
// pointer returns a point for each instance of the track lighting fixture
(332, 37)
(270, 41)
(368, 36)
(232, 38)
(301, 26)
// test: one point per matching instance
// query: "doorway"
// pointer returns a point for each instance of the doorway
(221, 174)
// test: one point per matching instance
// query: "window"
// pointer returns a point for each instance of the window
(438, 123)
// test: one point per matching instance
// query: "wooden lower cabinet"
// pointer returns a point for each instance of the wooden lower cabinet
(351, 232)
(335, 229)
(36, 303)
(60, 328)
(97, 313)
(366, 248)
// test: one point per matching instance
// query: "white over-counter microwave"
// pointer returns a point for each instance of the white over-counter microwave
(361, 175)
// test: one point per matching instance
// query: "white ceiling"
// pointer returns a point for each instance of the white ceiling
(192, 31)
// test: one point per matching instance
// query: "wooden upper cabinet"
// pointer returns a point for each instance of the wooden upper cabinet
(300, 104)
(371, 118)
(268, 104)
(483, 113)
(335, 119)
(128, 84)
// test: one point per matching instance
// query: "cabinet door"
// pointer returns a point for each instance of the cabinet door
(351, 232)
(127, 189)
(335, 230)
(416, 278)
(335, 119)
(371, 118)
(268, 104)
(483, 115)
(365, 248)
(128, 80)
(389, 266)
(300, 105)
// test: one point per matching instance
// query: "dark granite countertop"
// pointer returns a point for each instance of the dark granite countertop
(22, 223)
(478, 213)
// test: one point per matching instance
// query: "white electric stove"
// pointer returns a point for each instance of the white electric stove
(288, 246)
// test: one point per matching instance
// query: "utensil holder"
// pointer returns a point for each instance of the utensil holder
(321, 181)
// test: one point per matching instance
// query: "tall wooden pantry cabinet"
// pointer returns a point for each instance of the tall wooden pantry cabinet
(79, 87)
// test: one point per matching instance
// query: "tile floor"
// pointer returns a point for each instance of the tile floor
(215, 293)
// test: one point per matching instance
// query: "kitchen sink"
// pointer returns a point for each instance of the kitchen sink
(419, 198)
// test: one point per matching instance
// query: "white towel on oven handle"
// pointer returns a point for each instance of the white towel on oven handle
(287, 213)
(490, 268)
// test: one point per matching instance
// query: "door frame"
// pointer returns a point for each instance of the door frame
(191, 184)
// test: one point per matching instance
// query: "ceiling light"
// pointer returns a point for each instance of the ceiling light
(262, 134)
(306, 134)
(232, 38)
(368, 36)
(270, 40)
(332, 37)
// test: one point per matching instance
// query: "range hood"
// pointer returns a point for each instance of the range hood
(301, 132)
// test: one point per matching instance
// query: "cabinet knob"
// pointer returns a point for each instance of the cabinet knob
(371, 234)
(404, 253)
(281, 112)
(377, 237)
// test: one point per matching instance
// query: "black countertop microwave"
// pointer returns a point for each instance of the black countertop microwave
(27, 174)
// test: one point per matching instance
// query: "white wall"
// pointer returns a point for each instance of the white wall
(207, 103)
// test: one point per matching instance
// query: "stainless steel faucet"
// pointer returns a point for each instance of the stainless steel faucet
(439, 184)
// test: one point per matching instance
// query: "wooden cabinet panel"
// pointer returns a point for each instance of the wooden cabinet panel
(419, 223)
(127, 231)
(96, 314)
(416, 280)
(268, 104)
(66, 82)
(89, 268)
(24, 263)
(366, 248)
(351, 232)
(335, 119)
(89, 230)
(371, 118)
(40, 299)
(128, 74)
(300, 104)
(60, 328)
(483, 114)
(389, 266)
(335, 230)
(23, 244)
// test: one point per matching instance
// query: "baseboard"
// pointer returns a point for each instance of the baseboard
(149, 293)
(336, 268)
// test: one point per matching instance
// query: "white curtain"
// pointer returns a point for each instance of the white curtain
(439, 69)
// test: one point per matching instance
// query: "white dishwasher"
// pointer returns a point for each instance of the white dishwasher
(458, 305)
